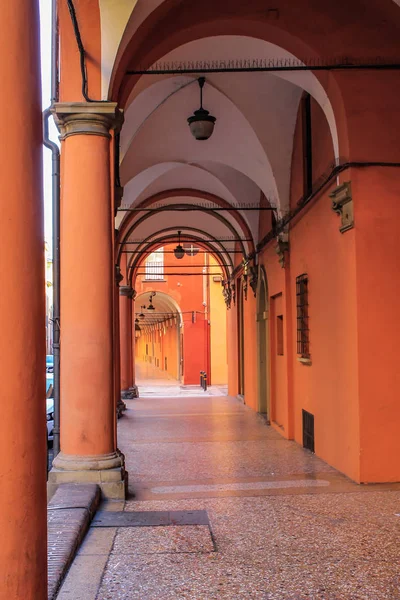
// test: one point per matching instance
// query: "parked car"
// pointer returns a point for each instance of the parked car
(49, 363)
(49, 381)
(50, 420)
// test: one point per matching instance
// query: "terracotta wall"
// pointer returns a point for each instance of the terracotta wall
(217, 316)
(192, 294)
(328, 388)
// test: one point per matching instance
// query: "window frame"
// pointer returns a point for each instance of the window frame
(302, 307)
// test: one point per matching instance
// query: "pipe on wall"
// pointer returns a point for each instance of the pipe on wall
(55, 177)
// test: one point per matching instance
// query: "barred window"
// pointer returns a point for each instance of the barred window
(303, 332)
(154, 266)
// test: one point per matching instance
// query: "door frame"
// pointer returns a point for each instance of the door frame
(263, 346)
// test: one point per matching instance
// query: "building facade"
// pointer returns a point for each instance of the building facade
(290, 182)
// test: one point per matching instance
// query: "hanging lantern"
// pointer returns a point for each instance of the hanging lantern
(201, 123)
(150, 306)
(179, 251)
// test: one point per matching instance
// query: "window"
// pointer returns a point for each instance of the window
(154, 266)
(303, 332)
(279, 335)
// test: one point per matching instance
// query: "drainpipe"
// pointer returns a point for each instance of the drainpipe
(56, 228)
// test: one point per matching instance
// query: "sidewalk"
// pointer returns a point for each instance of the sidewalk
(233, 511)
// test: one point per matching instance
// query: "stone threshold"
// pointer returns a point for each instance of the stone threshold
(69, 514)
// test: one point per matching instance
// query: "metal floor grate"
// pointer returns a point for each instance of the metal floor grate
(308, 431)
(155, 518)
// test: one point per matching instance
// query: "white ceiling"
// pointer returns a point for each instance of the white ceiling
(248, 155)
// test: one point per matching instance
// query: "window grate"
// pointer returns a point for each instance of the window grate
(308, 431)
(154, 266)
(303, 332)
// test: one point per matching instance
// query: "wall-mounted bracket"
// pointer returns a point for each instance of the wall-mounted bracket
(342, 205)
(254, 280)
(282, 249)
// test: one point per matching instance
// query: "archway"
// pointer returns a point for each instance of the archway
(158, 333)
(263, 349)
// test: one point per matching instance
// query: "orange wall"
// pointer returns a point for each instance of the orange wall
(250, 351)
(329, 387)
(191, 293)
(376, 204)
(279, 373)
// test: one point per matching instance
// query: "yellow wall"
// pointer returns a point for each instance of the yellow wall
(219, 361)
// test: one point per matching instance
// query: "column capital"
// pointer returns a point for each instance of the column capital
(87, 118)
(127, 291)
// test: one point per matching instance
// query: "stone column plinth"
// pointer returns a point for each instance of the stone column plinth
(88, 444)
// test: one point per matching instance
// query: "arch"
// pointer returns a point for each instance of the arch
(139, 48)
(167, 301)
(219, 217)
(196, 194)
(154, 244)
(165, 305)
(263, 345)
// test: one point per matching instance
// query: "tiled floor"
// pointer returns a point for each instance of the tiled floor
(152, 381)
(283, 524)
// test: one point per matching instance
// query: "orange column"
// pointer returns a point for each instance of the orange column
(22, 310)
(125, 321)
(88, 448)
(119, 406)
(23, 561)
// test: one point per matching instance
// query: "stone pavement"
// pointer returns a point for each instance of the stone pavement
(69, 513)
(277, 522)
(152, 381)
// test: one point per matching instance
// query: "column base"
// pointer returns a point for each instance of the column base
(130, 393)
(121, 406)
(107, 471)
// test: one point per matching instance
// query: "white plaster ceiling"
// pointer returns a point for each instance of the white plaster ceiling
(250, 152)
(114, 16)
(163, 303)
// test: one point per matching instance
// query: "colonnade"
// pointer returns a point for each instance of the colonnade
(23, 559)
(90, 380)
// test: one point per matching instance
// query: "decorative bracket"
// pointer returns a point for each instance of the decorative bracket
(127, 291)
(227, 294)
(233, 288)
(282, 249)
(254, 280)
(118, 276)
(342, 205)
(245, 280)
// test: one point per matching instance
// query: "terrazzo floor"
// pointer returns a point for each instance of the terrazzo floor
(283, 525)
(152, 381)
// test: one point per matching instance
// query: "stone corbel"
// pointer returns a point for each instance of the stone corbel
(233, 288)
(342, 205)
(127, 291)
(227, 294)
(282, 249)
(254, 280)
(118, 195)
(118, 276)
(245, 281)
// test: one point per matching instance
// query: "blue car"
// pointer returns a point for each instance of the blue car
(50, 420)
(49, 371)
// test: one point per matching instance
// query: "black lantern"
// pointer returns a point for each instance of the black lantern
(179, 250)
(201, 123)
(150, 306)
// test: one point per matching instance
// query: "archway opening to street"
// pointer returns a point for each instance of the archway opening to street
(180, 316)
